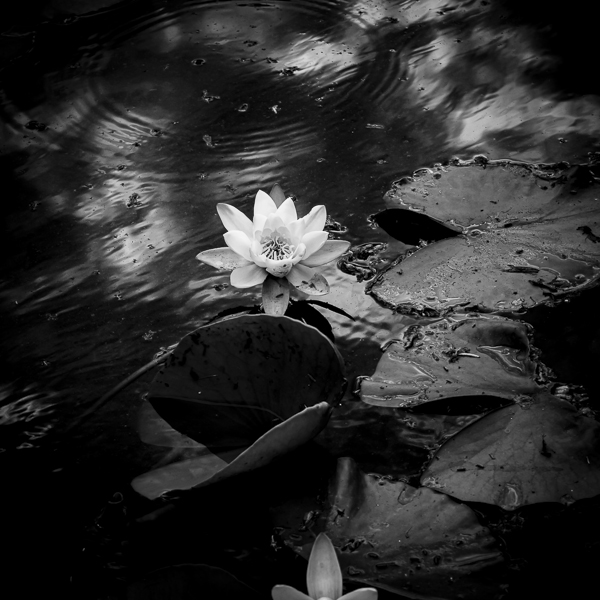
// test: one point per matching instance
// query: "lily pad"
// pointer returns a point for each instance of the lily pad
(229, 382)
(154, 430)
(409, 540)
(234, 396)
(450, 358)
(543, 450)
(529, 235)
(209, 468)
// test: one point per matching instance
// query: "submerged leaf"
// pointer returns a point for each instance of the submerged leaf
(526, 238)
(453, 358)
(539, 451)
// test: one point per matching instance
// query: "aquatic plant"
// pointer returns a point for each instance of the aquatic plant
(323, 578)
(527, 236)
(275, 248)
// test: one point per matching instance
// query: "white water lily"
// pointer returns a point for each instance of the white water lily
(323, 578)
(275, 248)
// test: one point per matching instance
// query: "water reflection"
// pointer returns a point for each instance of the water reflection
(152, 115)
(152, 112)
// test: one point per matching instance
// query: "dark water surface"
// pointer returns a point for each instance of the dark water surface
(124, 123)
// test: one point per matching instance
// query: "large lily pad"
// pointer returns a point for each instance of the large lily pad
(229, 382)
(543, 450)
(235, 395)
(453, 358)
(528, 236)
(409, 540)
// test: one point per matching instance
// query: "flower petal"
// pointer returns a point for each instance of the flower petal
(279, 268)
(297, 230)
(234, 219)
(329, 251)
(315, 219)
(300, 275)
(275, 295)
(307, 280)
(222, 258)
(285, 592)
(277, 194)
(361, 594)
(299, 253)
(256, 257)
(287, 211)
(274, 222)
(239, 242)
(259, 223)
(324, 576)
(248, 276)
(263, 204)
(314, 241)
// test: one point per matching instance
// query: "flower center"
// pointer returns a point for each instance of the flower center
(276, 246)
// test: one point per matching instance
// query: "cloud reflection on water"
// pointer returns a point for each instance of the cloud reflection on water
(146, 135)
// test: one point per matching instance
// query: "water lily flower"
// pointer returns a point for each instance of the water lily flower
(323, 578)
(275, 248)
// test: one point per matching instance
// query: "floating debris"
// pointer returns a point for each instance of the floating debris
(208, 141)
(36, 126)
(288, 71)
(134, 200)
(208, 97)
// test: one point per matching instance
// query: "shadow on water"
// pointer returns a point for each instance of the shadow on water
(124, 123)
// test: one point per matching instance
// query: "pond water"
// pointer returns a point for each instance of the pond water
(124, 123)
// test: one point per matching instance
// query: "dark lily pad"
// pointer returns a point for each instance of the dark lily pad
(543, 450)
(208, 468)
(451, 358)
(529, 236)
(409, 540)
(236, 394)
(228, 383)
(154, 430)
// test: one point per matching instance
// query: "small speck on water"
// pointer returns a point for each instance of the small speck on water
(208, 141)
